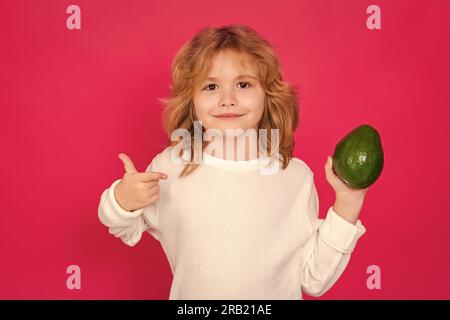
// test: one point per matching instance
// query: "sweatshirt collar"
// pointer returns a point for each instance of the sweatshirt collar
(234, 165)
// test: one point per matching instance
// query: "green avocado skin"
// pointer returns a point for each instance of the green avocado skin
(358, 157)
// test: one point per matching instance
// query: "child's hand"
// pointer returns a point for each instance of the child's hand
(137, 190)
(348, 201)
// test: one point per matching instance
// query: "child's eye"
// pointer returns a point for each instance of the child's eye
(209, 86)
(245, 83)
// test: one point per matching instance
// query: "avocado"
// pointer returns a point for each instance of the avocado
(358, 157)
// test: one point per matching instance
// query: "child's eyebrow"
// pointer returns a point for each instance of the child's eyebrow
(237, 78)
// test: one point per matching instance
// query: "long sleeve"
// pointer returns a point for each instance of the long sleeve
(126, 225)
(327, 252)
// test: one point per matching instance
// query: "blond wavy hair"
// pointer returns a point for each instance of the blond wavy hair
(190, 67)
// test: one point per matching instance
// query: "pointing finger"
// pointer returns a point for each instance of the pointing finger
(150, 176)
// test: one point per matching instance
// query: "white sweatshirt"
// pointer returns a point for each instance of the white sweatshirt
(230, 232)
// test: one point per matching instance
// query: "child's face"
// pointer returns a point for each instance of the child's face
(230, 94)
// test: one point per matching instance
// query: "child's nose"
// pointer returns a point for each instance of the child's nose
(228, 100)
(226, 104)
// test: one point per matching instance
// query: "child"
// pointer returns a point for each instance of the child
(229, 231)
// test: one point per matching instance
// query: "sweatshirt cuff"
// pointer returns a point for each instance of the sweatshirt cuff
(340, 234)
(119, 213)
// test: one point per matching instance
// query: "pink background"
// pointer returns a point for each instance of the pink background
(72, 100)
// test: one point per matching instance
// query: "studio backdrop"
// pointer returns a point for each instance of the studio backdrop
(80, 82)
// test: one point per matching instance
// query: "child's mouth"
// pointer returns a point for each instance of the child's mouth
(228, 116)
